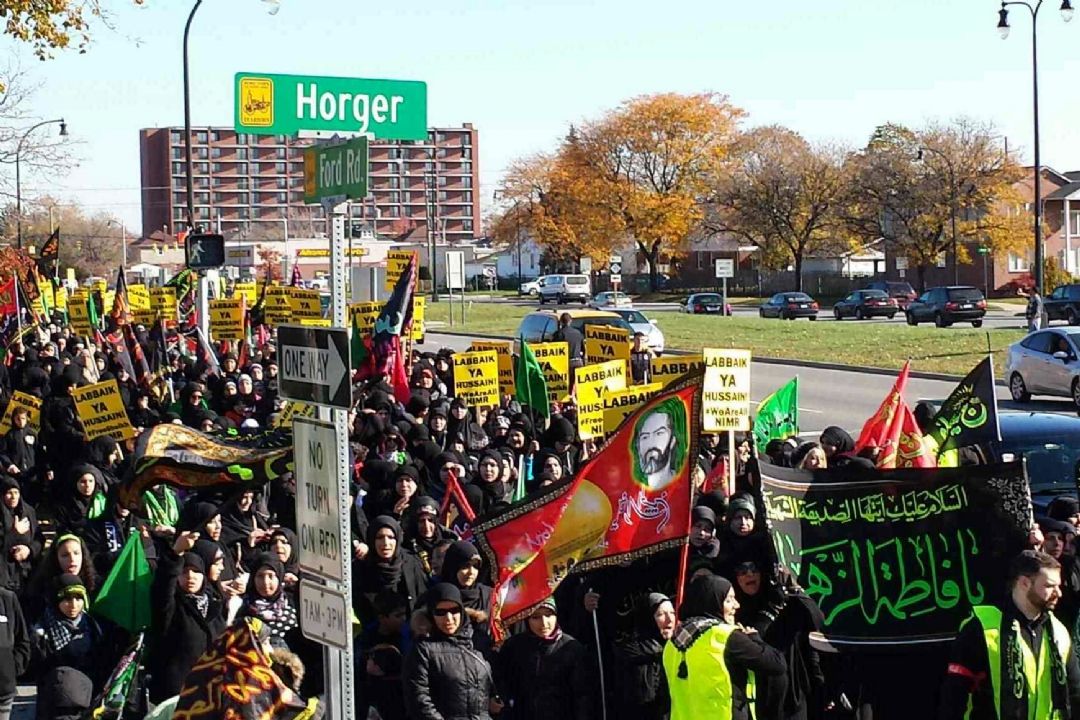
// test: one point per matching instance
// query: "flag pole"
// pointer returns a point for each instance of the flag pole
(731, 463)
(600, 663)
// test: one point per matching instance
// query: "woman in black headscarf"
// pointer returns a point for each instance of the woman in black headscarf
(267, 599)
(104, 454)
(18, 449)
(491, 479)
(461, 568)
(244, 527)
(283, 544)
(83, 499)
(386, 567)
(423, 531)
(22, 538)
(640, 686)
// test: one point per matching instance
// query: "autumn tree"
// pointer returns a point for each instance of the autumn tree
(50, 25)
(90, 242)
(783, 195)
(908, 185)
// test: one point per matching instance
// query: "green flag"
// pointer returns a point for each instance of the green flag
(358, 351)
(125, 594)
(777, 415)
(530, 387)
(968, 416)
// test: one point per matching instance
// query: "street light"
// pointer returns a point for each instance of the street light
(18, 171)
(274, 6)
(1003, 27)
(952, 205)
(123, 243)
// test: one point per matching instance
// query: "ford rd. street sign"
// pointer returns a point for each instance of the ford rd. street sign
(269, 104)
(338, 170)
(314, 365)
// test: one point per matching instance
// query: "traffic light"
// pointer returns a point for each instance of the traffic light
(203, 251)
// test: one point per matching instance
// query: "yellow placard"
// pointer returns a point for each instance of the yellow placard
(621, 404)
(292, 409)
(396, 262)
(725, 395)
(101, 410)
(606, 342)
(99, 286)
(305, 306)
(278, 304)
(61, 298)
(363, 314)
(79, 315)
(138, 297)
(419, 305)
(506, 362)
(670, 368)
(108, 299)
(227, 319)
(591, 384)
(554, 359)
(22, 400)
(247, 290)
(476, 377)
(163, 302)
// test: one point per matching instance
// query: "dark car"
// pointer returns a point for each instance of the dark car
(789, 305)
(863, 304)
(1050, 444)
(900, 291)
(944, 306)
(1063, 304)
(709, 303)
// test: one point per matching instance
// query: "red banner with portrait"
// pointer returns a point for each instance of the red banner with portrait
(630, 500)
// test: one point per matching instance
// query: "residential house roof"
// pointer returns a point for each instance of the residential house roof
(1070, 192)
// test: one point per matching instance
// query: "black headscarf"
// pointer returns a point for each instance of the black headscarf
(266, 560)
(387, 571)
(443, 592)
(705, 597)
(458, 556)
(292, 564)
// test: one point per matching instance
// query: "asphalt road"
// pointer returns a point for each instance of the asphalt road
(830, 397)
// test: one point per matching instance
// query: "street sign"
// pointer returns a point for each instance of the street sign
(314, 364)
(317, 498)
(901, 263)
(615, 268)
(585, 265)
(324, 615)
(616, 279)
(455, 270)
(267, 104)
(725, 268)
(338, 170)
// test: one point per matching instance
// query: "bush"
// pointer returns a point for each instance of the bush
(1054, 275)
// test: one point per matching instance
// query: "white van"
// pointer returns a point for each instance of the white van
(564, 288)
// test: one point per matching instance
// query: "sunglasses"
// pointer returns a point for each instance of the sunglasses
(443, 612)
(744, 568)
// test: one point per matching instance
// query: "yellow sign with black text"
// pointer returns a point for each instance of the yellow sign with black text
(28, 402)
(476, 377)
(725, 394)
(79, 315)
(669, 368)
(506, 362)
(305, 306)
(278, 304)
(396, 262)
(101, 410)
(247, 290)
(621, 404)
(606, 342)
(227, 319)
(138, 297)
(591, 384)
(554, 359)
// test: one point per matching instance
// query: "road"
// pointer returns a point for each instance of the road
(829, 397)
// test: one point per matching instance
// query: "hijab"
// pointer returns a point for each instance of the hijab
(389, 571)
(443, 592)
(705, 597)
(458, 555)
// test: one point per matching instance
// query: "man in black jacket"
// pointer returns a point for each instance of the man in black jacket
(575, 342)
(14, 649)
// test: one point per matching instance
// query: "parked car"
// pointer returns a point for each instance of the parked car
(641, 324)
(1045, 363)
(530, 288)
(1063, 304)
(789, 305)
(540, 325)
(900, 291)
(863, 304)
(707, 303)
(610, 299)
(947, 305)
(563, 288)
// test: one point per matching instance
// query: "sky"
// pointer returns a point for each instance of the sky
(523, 70)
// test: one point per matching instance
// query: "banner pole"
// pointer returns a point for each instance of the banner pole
(680, 587)
(731, 463)
(600, 664)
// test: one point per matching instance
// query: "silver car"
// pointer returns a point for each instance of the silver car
(641, 324)
(1045, 363)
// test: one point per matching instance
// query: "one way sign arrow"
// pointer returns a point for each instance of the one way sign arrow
(314, 365)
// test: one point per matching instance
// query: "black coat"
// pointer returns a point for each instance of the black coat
(14, 641)
(15, 450)
(367, 584)
(544, 679)
(179, 634)
(18, 573)
(446, 679)
(640, 685)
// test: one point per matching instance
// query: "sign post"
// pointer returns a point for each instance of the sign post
(455, 280)
(725, 268)
(615, 271)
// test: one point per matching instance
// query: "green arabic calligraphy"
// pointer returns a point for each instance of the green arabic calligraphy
(911, 506)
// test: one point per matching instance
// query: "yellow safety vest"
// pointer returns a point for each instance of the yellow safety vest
(706, 692)
(1037, 671)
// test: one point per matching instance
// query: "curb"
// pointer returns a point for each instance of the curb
(814, 364)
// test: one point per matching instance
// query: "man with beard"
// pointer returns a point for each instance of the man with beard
(1021, 645)
(654, 445)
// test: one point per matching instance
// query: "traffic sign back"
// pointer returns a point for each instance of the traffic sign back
(315, 366)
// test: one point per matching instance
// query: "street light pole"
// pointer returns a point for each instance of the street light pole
(1003, 28)
(187, 122)
(18, 172)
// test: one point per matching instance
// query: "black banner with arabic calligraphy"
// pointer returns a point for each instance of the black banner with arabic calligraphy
(899, 556)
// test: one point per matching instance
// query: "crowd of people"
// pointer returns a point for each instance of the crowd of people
(611, 643)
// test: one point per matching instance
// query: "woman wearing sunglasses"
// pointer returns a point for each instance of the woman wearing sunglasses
(444, 676)
(461, 568)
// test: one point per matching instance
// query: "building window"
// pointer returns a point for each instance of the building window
(466, 152)
(395, 211)
(443, 196)
(202, 182)
(241, 168)
(242, 183)
(1018, 264)
(466, 225)
(174, 137)
(1074, 222)
(395, 153)
(466, 181)
(282, 183)
(216, 153)
(282, 198)
(200, 137)
(177, 168)
(467, 196)
(442, 181)
(395, 196)
(202, 167)
(241, 154)
(281, 168)
(178, 153)
(241, 139)
(215, 135)
(466, 167)
(243, 213)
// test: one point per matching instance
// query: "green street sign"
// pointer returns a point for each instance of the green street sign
(984, 251)
(338, 170)
(286, 104)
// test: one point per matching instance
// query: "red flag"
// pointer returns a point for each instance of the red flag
(297, 279)
(8, 302)
(894, 431)
(877, 430)
(631, 499)
(455, 512)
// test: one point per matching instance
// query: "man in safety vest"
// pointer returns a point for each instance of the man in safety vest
(1015, 662)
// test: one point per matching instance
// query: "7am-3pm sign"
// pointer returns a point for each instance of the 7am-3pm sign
(269, 104)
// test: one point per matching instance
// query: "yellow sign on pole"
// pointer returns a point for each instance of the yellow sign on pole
(278, 304)
(554, 359)
(79, 315)
(606, 342)
(247, 290)
(138, 297)
(305, 306)
(101, 410)
(363, 315)
(227, 319)
(30, 403)
(591, 384)
(725, 396)
(621, 404)
(665, 370)
(163, 303)
(476, 377)
(396, 262)
(419, 303)
(506, 362)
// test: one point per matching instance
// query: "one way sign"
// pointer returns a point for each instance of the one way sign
(314, 365)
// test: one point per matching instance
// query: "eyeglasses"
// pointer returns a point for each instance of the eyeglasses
(746, 567)
(443, 612)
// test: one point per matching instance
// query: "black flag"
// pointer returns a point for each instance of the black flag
(969, 415)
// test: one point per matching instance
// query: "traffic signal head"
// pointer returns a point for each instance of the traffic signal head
(203, 251)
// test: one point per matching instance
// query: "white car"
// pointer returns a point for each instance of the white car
(530, 288)
(641, 324)
(610, 300)
(1046, 362)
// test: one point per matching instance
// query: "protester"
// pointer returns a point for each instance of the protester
(640, 685)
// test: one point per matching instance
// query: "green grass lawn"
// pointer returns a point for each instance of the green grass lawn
(951, 350)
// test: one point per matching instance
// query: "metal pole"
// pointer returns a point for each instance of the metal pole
(955, 258)
(1039, 249)
(18, 195)
(187, 123)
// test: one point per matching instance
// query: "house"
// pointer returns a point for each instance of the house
(520, 260)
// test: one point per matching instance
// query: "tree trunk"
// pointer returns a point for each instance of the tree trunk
(652, 258)
(798, 271)
(922, 278)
